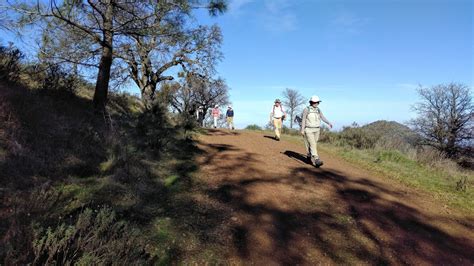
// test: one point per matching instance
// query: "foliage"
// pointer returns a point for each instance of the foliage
(10, 62)
(96, 238)
(253, 127)
(195, 91)
(145, 39)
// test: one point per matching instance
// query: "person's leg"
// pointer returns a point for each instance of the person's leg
(231, 124)
(215, 122)
(310, 137)
(277, 125)
(316, 139)
(306, 145)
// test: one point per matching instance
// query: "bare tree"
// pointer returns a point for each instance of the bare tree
(445, 117)
(292, 101)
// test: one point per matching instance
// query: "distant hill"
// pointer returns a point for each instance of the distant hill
(391, 130)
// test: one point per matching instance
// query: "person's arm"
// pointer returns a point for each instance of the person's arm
(271, 114)
(325, 120)
(303, 122)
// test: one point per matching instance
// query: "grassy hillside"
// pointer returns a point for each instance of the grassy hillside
(78, 187)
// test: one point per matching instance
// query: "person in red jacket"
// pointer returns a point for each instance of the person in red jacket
(216, 113)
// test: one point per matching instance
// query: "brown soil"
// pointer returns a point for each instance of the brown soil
(280, 210)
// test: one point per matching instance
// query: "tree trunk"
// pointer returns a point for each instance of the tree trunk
(103, 77)
(291, 120)
(148, 96)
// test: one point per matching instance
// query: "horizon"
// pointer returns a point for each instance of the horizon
(361, 58)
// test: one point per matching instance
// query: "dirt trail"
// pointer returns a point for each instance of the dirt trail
(284, 211)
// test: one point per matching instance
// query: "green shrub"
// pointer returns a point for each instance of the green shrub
(55, 78)
(359, 138)
(253, 127)
(96, 238)
(328, 136)
(290, 131)
(10, 64)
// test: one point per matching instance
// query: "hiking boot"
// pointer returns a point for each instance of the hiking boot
(312, 160)
(318, 163)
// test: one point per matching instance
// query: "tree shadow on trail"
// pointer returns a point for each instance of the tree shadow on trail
(329, 217)
(220, 132)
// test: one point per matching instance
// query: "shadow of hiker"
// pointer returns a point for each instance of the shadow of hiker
(269, 137)
(297, 156)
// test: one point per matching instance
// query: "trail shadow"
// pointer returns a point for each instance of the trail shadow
(334, 218)
(221, 132)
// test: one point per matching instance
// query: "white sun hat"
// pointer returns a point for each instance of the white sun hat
(315, 99)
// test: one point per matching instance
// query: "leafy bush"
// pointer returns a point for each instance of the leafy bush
(56, 78)
(328, 136)
(290, 131)
(96, 238)
(359, 138)
(154, 131)
(10, 64)
(253, 127)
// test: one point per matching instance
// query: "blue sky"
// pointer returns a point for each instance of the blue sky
(364, 59)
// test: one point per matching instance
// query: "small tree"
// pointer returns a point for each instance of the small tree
(445, 117)
(292, 101)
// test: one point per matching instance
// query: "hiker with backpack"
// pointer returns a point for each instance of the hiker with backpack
(277, 116)
(229, 116)
(216, 113)
(310, 128)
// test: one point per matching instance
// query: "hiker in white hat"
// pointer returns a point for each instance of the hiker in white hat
(277, 115)
(310, 128)
(229, 115)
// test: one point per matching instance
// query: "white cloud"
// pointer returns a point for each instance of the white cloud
(407, 86)
(272, 15)
(349, 22)
(236, 7)
(278, 16)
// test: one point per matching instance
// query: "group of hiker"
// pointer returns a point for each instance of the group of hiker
(216, 114)
(310, 124)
